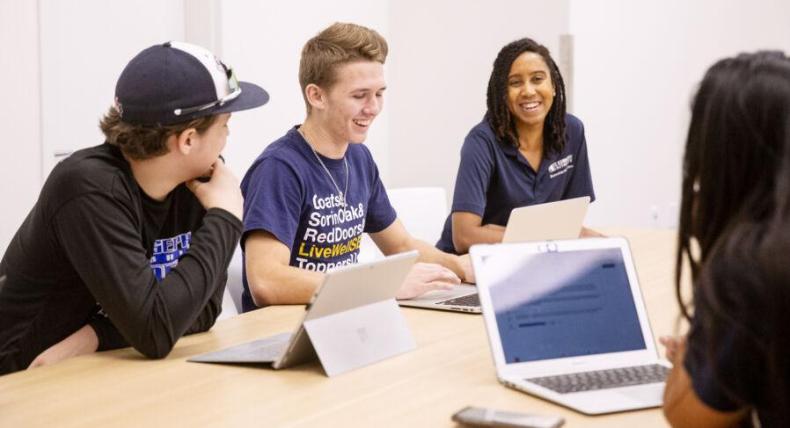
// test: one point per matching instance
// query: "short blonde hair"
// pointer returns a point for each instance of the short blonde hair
(339, 44)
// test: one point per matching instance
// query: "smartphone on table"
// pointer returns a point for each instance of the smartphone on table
(482, 417)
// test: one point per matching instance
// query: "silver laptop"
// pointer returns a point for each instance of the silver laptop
(553, 220)
(352, 320)
(566, 322)
(460, 298)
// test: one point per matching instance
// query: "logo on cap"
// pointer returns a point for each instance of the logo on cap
(220, 66)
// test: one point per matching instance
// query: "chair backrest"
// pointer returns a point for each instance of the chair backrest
(231, 300)
(422, 210)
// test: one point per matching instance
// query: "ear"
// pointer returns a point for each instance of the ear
(315, 96)
(184, 142)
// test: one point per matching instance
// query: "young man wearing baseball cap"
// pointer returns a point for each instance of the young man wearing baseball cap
(129, 241)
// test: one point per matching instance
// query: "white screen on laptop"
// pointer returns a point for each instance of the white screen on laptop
(557, 305)
(560, 301)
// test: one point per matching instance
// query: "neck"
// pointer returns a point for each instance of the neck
(153, 177)
(530, 137)
(321, 139)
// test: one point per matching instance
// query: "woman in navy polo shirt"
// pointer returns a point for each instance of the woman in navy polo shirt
(526, 150)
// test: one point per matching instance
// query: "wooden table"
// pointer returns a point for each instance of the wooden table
(451, 368)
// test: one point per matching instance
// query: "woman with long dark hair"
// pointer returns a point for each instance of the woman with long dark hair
(526, 151)
(734, 236)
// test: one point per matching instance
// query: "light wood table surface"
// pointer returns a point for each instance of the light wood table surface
(451, 368)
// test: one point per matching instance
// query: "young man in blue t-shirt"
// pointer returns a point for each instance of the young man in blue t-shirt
(311, 194)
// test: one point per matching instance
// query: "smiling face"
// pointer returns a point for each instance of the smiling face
(353, 101)
(530, 91)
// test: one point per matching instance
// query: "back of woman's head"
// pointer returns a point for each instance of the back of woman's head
(736, 205)
(740, 125)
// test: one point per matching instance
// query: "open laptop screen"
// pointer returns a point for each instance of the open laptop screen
(563, 304)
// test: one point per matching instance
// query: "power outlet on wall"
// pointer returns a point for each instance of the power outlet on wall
(664, 216)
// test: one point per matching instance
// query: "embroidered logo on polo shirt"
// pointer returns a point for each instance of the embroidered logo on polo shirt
(561, 166)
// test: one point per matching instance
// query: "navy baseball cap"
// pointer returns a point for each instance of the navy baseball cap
(177, 82)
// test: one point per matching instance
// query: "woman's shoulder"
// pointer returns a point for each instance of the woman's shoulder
(482, 130)
(480, 136)
(574, 130)
(479, 143)
(573, 123)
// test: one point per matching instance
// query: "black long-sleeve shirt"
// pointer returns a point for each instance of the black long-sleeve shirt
(96, 250)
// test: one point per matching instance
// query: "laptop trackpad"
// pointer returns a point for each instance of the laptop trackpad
(266, 350)
(651, 394)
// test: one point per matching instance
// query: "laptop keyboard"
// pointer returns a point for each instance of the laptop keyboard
(468, 300)
(603, 379)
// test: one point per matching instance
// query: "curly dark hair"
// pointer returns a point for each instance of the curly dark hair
(498, 114)
(739, 130)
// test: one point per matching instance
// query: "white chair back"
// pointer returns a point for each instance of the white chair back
(231, 300)
(422, 210)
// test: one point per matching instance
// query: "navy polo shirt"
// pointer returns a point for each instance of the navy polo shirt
(494, 177)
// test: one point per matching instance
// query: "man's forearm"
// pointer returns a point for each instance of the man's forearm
(208, 316)
(284, 285)
(431, 254)
(465, 237)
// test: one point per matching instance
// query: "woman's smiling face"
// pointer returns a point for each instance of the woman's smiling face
(530, 92)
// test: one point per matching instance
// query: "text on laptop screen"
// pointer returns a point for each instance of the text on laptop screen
(563, 304)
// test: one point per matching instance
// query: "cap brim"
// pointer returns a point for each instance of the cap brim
(251, 96)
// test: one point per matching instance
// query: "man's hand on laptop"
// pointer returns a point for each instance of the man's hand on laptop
(425, 277)
(465, 262)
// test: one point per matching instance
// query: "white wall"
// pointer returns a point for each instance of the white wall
(20, 147)
(59, 62)
(637, 65)
(442, 53)
(84, 47)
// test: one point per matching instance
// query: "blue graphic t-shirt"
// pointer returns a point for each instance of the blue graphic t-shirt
(290, 195)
